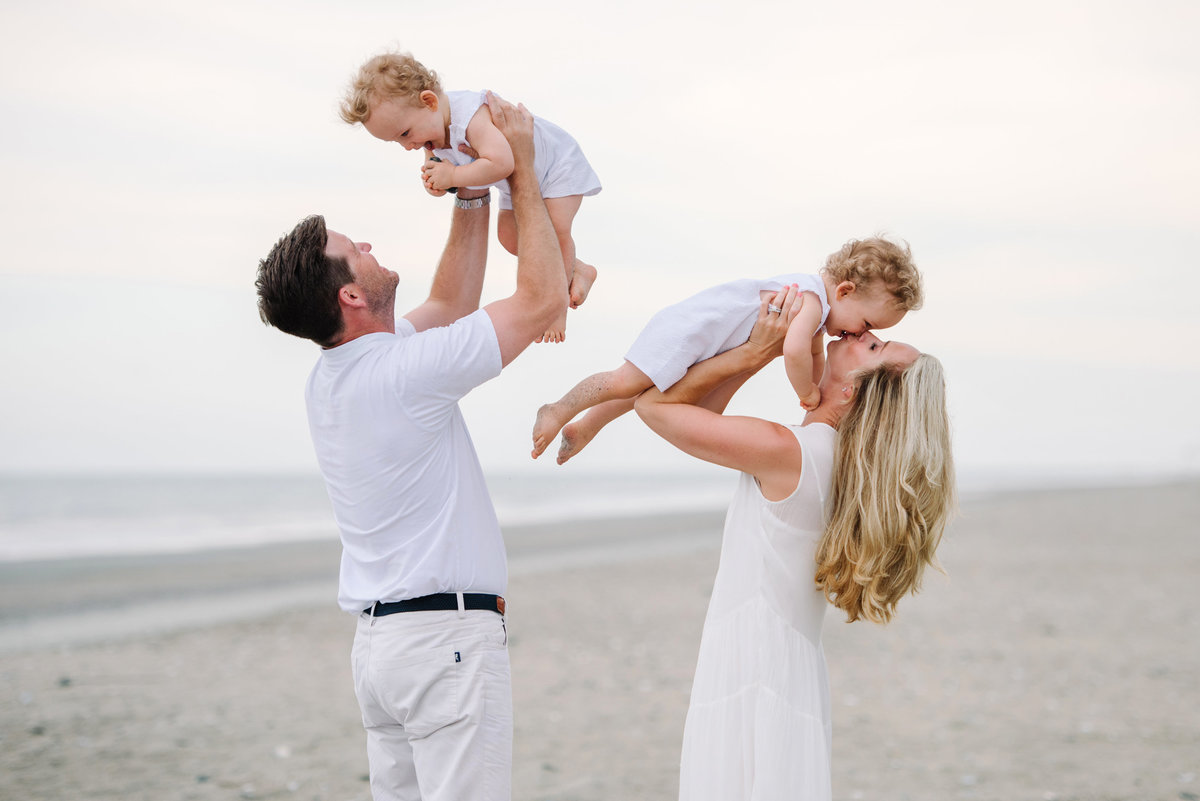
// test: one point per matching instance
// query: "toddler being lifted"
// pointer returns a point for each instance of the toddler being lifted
(868, 284)
(397, 99)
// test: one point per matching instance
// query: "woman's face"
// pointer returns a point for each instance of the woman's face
(856, 352)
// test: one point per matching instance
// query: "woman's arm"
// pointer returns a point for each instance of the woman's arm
(764, 449)
(719, 397)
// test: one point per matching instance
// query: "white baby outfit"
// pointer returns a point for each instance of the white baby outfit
(561, 167)
(710, 322)
(758, 725)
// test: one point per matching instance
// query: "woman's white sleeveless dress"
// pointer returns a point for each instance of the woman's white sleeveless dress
(758, 726)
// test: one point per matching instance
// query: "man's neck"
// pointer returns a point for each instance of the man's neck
(361, 326)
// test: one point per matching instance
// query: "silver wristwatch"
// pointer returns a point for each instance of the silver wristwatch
(473, 203)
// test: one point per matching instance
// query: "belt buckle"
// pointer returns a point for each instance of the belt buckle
(500, 604)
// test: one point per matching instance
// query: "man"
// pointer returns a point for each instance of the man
(423, 563)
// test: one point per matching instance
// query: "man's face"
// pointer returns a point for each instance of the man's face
(378, 283)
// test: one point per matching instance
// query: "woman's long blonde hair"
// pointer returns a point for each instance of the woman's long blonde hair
(893, 490)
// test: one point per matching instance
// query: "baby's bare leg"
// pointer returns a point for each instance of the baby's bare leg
(581, 283)
(577, 435)
(506, 230)
(562, 214)
(623, 383)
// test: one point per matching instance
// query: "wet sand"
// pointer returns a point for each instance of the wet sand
(1059, 659)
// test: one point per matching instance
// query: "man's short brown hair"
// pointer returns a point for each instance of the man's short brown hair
(298, 284)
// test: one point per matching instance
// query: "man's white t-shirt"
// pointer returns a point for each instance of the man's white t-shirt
(407, 490)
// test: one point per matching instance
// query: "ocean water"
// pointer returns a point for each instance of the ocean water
(64, 516)
(54, 517)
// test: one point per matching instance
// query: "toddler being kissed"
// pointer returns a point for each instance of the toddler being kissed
(868, 284)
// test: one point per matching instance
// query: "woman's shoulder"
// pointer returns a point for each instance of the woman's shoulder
(809, 452)
(814, 431)
(816, 442)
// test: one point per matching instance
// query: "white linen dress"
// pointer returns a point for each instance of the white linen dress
(758, 726)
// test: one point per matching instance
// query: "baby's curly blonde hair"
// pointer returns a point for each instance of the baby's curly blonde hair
(386, 76)
(875, 259)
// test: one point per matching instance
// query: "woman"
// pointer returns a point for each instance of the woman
(849, 506)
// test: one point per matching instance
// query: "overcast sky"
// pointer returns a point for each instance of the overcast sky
(1040, 157)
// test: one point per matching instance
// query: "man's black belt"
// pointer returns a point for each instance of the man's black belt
(441, 602)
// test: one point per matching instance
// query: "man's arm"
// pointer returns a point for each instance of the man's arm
(541, 280)
(458, 281)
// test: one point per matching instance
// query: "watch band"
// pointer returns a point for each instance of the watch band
(473, 203)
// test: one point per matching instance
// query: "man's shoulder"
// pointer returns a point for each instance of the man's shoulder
(467, 344)
(477, 322)
(469, 340)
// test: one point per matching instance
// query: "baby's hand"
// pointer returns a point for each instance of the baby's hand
(429, 157)
(812, 400)
(437, 175)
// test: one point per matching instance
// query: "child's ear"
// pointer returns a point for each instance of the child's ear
(429, 100)
(844, 290)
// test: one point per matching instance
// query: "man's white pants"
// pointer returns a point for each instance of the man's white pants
(436, 698)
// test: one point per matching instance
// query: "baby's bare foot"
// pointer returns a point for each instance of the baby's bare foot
(581, 283)
(546, 427)
(557, 332)
(574, 438)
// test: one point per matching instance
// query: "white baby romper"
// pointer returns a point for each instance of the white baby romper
(758, 726)
(710, 322)
(561, 167)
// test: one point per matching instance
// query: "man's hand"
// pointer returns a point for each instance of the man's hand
(516, 123)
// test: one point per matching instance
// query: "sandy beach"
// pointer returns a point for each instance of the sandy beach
(1058, 660)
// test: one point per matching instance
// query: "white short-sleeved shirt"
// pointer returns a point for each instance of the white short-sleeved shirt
(407, 489)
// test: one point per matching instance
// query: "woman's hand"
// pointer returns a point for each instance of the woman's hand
(775, 316)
